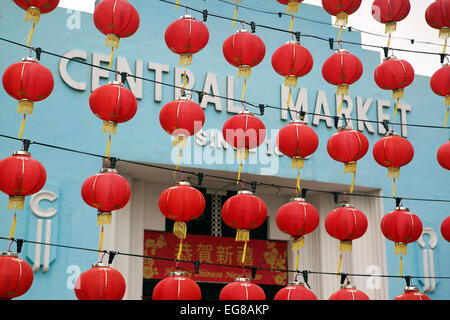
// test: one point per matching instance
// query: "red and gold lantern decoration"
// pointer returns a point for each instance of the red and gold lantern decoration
(34, 9)
(116, 19)
(412, 293)
(348, 146)
(437, 17)
(292, 5)
(181, 203)
(177, 286)
(393, 152)
(445, 229)
(244, 212)
(295, 291)
(16, 276)
(292, 61)
(443, 155)
(389, 12)
(185, 37)
(402, 227)
(242, 289)
(342, 69)
(341, 9)
(394, 74)
(440, 84)
(345, 224)
(297, 218)
(106, 191)
(28, 82)
(349, 292)
(101, 282)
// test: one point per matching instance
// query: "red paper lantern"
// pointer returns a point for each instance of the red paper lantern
(106, 191)
(389, 12)
(346, 224)
(101, 282)
(182, 118)
(440, 84)
(401, 227)
(348, 146)
(242, 289)
(244, 50)
(177, 287)
(292, 5)
(445, 229)
(349, 292)
(185, 37)
(341, 9)
(342, 69)
(412, 293)
(181, 203)
(244, 131)
(295, 291)
(21, 176)
(113, 103)
(292, 61)
(437, 17)
(297, 141)
(393, 152)
(297, 218)
(16, 276)
(28, 81)
(443, 155)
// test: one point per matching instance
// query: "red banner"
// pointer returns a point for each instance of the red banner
(216, 250)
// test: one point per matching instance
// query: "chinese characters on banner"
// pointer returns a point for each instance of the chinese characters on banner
(209, 249)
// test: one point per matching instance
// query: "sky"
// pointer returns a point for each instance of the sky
(413, 27)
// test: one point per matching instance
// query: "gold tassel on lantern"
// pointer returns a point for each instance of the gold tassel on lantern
(345, 246)
(13, 227)
(242, 235)
(290, 81)
(350, 167)
(400, 248)
(390, 27)
(444, 33)
(180, 140)
(22, 126)
(33, 15)
(16, 202)
(180, 229)
(297, 244)
(185, 59)
(244, 71)
(395, 174)
(298, 163)
(398, 93)
(109, 127)
(112, 41)
(341, 19)
(342, 90)
(242, 153)
(292, 6)
(104, 218)
(25, 106)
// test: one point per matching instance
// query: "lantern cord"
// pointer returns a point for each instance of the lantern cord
(401, 267)
(243, 89)
(100, 245)
(291, 24)
(30, 34)
(445, 46)
(13, 226)
(339, 264)
(289, 99)
(177, 4)
(235, 16)
(340, 104)
(111, 57)
(389, 40)
(340, 33)
(298, 189)
(239, 174)
(446, 117)
(396, 107)
(353, 182)
(244, 252)
(22, 126)
(297, 260)
(108, 147)
(184, 80)
(179, 159)
(180, 249)
(393, 189)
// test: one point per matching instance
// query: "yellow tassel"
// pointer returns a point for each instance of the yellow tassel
(445, 47)
(235, 16)
(389, 40)
(400, 249)
(298, 182)
(297, 244)
(180, 229)
(109, 127)
(447, 100)
(25, 106)
(292, 6)
(179, 159)
(298, 163)
(108, 147)
(179, 140)
(339, 264)
(353, 182)
(242, 154)
(290, 81)
(444, 33)
(112, 41)
(291, 26)
(177, 4)
(111, 58)
(297, 260)
(16, 202)
(100, 244)
(340, 33)
(350, 167)
(180, 249)
(243, 90)
(242, 235)
(289, 99)
(393, 172)
(30, 34)
(396, 107)
(342, 90)
(33, 15)
(340, 104)
(22, 126)
(244, 252)
(401, 267)
(104, 218)
(341, 20)
(446, 117)
(239, 174)
(244, 72)
(390, 27)
(345, 246)
(13, 227)
(185, 59)
(393, 189)
(398, 94)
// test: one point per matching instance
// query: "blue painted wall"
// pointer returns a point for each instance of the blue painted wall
(65, 119)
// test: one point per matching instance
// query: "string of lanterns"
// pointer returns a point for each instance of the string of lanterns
(113, 103)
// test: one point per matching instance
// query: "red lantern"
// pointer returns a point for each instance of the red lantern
(106, 191)
(440, 84)
(181, 203)
(16, 276)
(101, 282)
(348, 146)
(443, 155)
(402, 227)
(342, 69)
(21, 176)
(292, 5)
(295, 291)
(28, 81)
(182, 118)
(390, 12)
(113, 103)
(445, 229)
(412, 293)
(244, 50)
(177, 287)
(292, 61)
(242, 289)
(393, 152)
(341, 9)
(349, 292)
(186, 37)
(437, 17)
